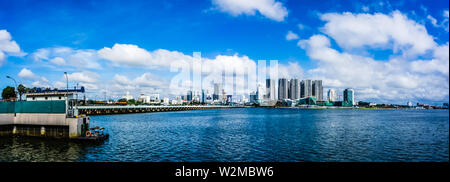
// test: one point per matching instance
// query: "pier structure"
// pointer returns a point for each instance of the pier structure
(45, 114)
(103, 110)
(39, 118)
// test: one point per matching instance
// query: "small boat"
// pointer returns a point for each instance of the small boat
(95, 134)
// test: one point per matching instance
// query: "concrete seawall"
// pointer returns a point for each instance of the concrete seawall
(43, 124)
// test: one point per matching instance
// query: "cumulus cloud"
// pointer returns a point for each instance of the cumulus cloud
(84, 77)
(394, 31)
(37, 81)
(132, 55)
(393, 80)
(27, 74)
(235, 70)
(269, 8)
(146, 83)
(8, 46)
(291, 36)
(82, 58)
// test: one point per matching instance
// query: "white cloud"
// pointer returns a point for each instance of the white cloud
(8, 46)
(394, 31)
(398, 79)
(433, 21)
(269, 8)
(291, 36)
(58, 61)
(132, 55)
(27, 74)
(84, 77)
(37, 81)
(445, 22)
(81, 59)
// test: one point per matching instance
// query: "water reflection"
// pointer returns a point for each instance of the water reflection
(253, 134)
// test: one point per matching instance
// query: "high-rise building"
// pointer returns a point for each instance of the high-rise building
(332, 95)
(283, 88)
(294, 89)
(270, 89)
(189, 96)
(260, 92)
(317, 89)
(349, 97)
(203, 97)
(306, 88)
(253, 97)
(218, 91)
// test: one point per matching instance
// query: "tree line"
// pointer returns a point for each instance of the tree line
(11, 93)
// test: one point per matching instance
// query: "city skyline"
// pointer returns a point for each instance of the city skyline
(406, 59)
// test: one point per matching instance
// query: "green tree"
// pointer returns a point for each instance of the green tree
(122, 100)
(9, 93)
(131, 102)
(21, 89)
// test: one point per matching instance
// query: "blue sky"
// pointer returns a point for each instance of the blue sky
(238, 30)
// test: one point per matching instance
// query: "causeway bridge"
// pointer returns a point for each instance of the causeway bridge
(106, 110)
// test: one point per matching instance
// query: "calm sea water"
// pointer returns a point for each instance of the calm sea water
(253, 134)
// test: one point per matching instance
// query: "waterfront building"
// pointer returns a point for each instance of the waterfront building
(203, 97)
(270, 89)
(155, 98)
(218, 91)
(229, 99)
(128, 96)
(209, 98)
(189, 96)
(306, 88)
(332, 95)
(410, 104)
(317, 89)
(49, 96)
(294, 93)
(283, 88)
(260, 92)
(307, 101)
(144, 99)
(244, 99)
(254, 97)
(349, 97)
(166, 101)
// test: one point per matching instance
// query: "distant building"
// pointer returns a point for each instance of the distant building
(283, 89)
(50, 96)
(409, 104)
(144, 99)
(332, 95)
(218, 91)
(203, 97)
(270, 89)
(306, 88)
(128, 96)
(154, 98)
(254, 97)
(229, 99)
(166, 101)
(294, 89)
(260, 92)
(317, 89)
(189, 96)
(349, 97)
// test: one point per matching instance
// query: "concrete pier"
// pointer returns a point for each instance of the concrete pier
(39, 118)
(104, 110)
